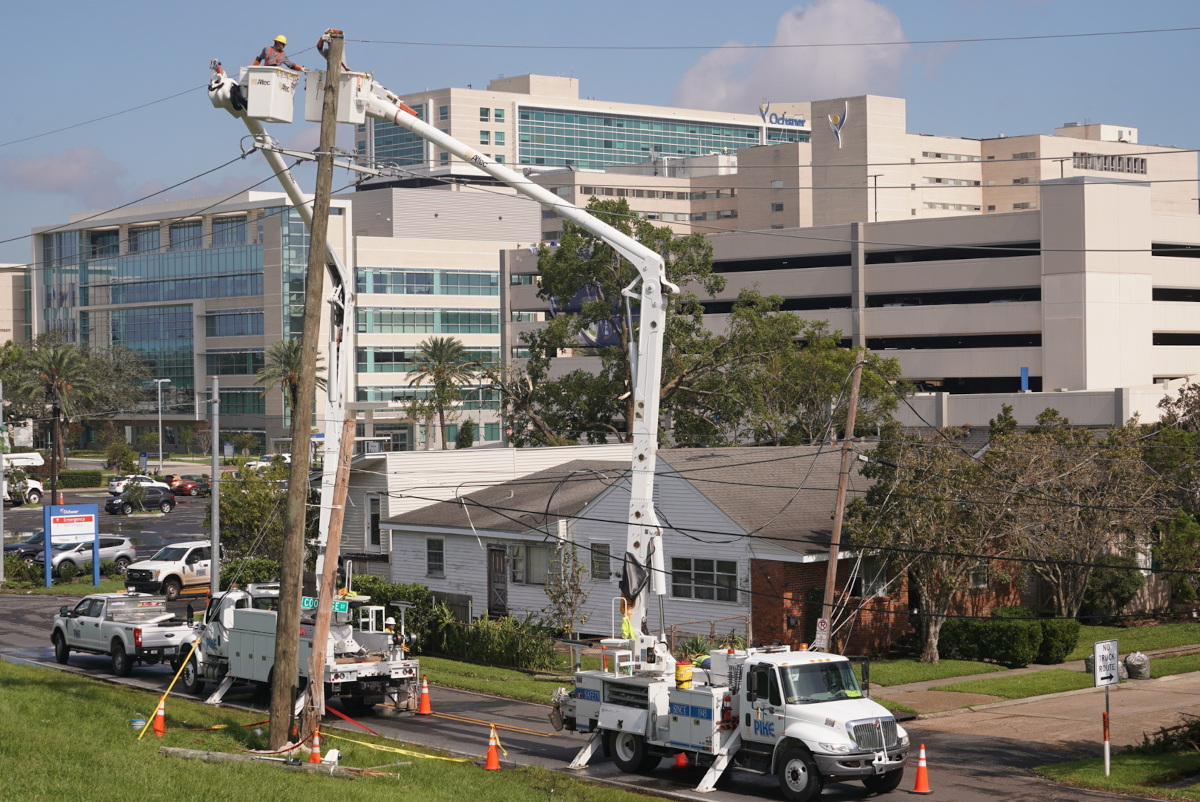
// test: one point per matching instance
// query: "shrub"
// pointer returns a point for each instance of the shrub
(1009, 641)
(1059, 636)
(18, 572)
(418, 619)
(507, 641)
(1114, 582)
(248, 570)
(67, 571)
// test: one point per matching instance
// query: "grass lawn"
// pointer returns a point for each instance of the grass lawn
(80, 586)
(898, 672)
(1136, 774)
(1167, 666)
(497, 681)
(1022, 686)
(63, 736)
(1137, 639)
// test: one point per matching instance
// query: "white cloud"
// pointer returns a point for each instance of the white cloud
(82, 173)
(738, 80)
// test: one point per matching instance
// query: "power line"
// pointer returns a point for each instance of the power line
(795, 46)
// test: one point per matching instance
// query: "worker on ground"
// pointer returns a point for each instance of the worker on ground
(273, 56)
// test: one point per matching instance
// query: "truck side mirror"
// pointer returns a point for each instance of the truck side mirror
(63, 611)
(751, 694)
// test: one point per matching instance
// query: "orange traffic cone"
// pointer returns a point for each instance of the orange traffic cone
(681, 760)
(315, 755)
(160, 719)
(922, 786)
(493, 755)
(424, 709)
(60, 499)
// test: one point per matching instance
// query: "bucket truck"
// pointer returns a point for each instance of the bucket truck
(798, 715)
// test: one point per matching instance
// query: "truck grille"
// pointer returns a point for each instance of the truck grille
(867, 732)
(137, 575)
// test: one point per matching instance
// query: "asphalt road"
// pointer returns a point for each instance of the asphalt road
(962, 767)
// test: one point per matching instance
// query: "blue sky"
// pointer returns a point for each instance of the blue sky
(78, 62)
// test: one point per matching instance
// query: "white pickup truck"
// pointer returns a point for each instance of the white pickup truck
(132, 627)
(171, 569)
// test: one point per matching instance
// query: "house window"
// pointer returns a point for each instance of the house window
(373, 521)
(443, 112)
(530, 564)
(228, 231)
(485, 137)
(601, 562)
(484, 115)
(777, 207)
(871, 580)
(499, 138)
(143, 239)
(491, 432)
(704, 579)
(435, 556)
(979, 577)
(777, 183)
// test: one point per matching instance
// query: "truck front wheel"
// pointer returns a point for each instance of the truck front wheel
(172, 588)
(192, 682)
(629, 752)
(798, 777)
(61, 652)
(122, 666)
(884, 783)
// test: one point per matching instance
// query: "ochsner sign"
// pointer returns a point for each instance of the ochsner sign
(771, 118)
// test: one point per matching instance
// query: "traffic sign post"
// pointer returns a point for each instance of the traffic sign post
(821, 641)
(79, 523)
(1106, 671)
(310, 603)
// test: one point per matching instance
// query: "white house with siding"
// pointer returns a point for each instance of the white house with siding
(725, 512)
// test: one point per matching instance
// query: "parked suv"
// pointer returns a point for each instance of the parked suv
(25, 549)
(172, 569)
(119, 550)
(153, 497)
(117, 484)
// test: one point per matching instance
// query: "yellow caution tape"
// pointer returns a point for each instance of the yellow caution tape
(404, 751)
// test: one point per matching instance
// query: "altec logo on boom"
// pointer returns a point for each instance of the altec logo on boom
(770, 118)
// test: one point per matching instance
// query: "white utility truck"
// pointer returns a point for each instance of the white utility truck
(131, 627)
(24, 489)
(797, 714)
(172, 569)
(365, 665)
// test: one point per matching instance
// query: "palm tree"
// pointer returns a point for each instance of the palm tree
(56, 374)
(282, 368)
(443, 363)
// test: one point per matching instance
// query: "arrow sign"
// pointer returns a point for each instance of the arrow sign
(1104, 658)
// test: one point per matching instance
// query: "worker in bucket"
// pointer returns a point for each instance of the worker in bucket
(273, 56)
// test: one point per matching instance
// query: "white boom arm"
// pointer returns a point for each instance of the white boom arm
(644, 552)
(221, 92)
(644, 568)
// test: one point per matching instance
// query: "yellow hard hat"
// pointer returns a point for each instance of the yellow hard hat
(281, 39)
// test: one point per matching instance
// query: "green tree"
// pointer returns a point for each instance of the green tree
(566, 590)
(282, 366)
(57, 376)
(245, 442)
(252, 513)
(186, 435)
(935, 512)
(1081, 496)
(1173, 447)
(1113, 583)
(466, 434)
(442, 364)
(1178, 551)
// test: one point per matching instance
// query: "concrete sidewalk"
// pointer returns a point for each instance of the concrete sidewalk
(1068, 722)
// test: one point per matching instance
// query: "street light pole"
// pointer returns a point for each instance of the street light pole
(160, 383)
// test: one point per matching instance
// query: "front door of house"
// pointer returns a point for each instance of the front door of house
(497, 581)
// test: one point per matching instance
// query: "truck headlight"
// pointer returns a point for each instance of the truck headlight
(838, 749)
(904, 741)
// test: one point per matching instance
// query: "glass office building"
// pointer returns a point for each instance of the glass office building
(194, 289)
(542, 121)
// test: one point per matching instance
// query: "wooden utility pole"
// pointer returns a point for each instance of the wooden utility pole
(835, 543)
(328, 578)
(291, 569)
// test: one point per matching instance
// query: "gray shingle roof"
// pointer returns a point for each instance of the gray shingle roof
(522, 504)
(755, 487)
